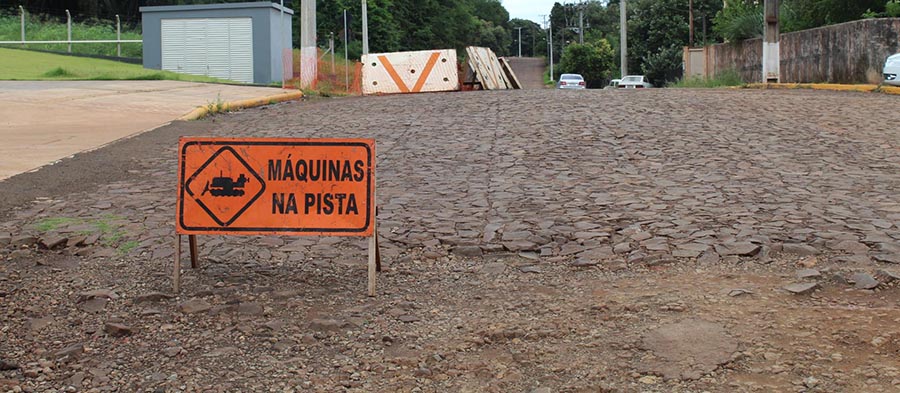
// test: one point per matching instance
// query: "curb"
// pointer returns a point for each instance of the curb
(205, 110)
(894, 90)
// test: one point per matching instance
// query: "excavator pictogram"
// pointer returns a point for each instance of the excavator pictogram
(224, 186)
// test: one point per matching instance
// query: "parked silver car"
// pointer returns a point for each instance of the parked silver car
(634, 82)
(892, 70)
(571, 81)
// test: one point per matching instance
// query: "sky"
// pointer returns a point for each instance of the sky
(529, 9)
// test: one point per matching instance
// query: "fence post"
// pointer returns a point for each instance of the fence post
(69, 29)
(118, 36)
(331, 44)
(346, 56)
(22, 18)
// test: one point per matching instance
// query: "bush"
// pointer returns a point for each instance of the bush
(594, 61)
(726, 78)
(892, 8)
(739, 21)
(663, 66)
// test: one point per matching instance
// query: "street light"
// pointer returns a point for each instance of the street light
(520, 40)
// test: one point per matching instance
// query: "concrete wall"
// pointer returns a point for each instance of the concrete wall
(852, 52)
(265, 15)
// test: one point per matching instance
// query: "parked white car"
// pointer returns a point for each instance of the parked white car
(613, 84)
(634, 82)
(571, 81)
(892, 70)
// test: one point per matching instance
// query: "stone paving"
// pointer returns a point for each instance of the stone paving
(533, 240)
(629, 177)
(642, 176)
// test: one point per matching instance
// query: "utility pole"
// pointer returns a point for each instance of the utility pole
(22, 17)
(532, 40)
(281, 47)
(69, 29)
(771, 48)
(346, 55)
(691, 23)
(520, 40)
(581, 23)
(308, 52)
(118, 36)
(365, 27)
(623, 38)
(550, 31)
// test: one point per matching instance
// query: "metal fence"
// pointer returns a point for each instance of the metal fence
(118, 41)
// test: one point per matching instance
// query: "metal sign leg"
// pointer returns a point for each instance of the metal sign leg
(195, 261)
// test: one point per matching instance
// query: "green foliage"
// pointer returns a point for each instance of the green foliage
(657, 32)
(892, 9)
(58, 72)
(808, 14)
(724, 79)
(16, 64)
(532, 34)
(663, 65)
(740, 20)
(594, 61)
(53, 223)
(548, 81)
(38, 28)
(401, 25)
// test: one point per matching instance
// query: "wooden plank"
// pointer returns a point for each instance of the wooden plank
(195, 261)
(176, 272)
(510, 75)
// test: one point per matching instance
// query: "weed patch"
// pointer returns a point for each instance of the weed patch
(723, 79)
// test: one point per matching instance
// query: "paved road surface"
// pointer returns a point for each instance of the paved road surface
(529, 70)
(532, 239)
(41, 122)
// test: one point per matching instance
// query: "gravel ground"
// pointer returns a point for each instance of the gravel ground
(534, 241)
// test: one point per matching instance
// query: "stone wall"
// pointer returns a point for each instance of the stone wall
(852, 52)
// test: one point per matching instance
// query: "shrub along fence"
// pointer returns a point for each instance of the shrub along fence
(106, 38)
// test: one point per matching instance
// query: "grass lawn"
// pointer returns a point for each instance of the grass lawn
(16, 64)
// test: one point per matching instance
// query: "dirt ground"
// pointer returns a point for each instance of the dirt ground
(55, 119)
(533, 241)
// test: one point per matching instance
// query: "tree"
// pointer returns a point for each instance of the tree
(807, 14)
(657, 31)
(594, 61)
(740, 20)
(892, 8)
(531, 34)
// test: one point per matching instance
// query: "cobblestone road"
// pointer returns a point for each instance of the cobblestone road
(534, 241)
(645, 175)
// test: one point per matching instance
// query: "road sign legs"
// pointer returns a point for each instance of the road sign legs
(374, 254)
(195, 263)
(176, 272)
(374, 262)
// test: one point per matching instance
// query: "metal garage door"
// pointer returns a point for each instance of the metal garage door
(217, 47)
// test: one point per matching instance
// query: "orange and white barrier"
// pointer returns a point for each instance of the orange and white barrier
(410, 72)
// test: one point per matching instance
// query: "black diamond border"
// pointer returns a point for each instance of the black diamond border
(187, 185)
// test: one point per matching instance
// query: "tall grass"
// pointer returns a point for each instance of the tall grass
(38, 28)
(725, 78)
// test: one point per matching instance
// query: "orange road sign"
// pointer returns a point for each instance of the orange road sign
(276, 186)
